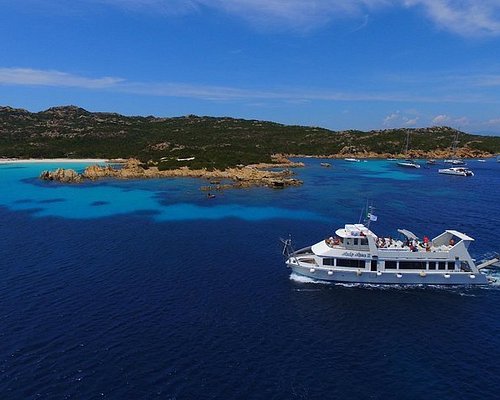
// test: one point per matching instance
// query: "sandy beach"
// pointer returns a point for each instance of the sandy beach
(52, 160)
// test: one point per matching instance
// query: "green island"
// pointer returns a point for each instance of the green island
(201, 143)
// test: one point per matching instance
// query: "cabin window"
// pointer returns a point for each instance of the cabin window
(329, 261)
(432, 265)
(442, 265)
(348, 242)
(355, 242)
(350, 263)
(373, 265)
(391, 265)
(364, 242)
(451, 264)
(412, 265)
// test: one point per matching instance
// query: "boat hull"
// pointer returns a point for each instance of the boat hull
(389, 278)
(455, 173)
(408, 165)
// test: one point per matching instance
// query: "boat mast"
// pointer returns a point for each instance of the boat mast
(454, 145)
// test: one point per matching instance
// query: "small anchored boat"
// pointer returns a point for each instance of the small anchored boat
(408, 163)
(352, 159)
(457, 171)
(454, 160)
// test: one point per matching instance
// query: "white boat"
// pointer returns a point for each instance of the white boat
(481, 160)
(408, 164)
(454, 160)
(357, 255)
(352, 159)
(458, 171)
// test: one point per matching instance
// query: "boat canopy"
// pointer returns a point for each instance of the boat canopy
(460, 235)
(354, 230)
(408, 234)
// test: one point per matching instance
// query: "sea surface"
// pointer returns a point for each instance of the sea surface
(148, 289)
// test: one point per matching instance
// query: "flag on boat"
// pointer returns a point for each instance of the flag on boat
(371, 217)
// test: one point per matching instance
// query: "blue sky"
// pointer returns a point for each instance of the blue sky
(340, 64)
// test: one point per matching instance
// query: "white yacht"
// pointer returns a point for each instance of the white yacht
(458, 171)
(408, 163)
(352, 159)
(357, 255)
(454, 160)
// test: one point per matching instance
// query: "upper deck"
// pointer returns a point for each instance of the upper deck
(358, 241)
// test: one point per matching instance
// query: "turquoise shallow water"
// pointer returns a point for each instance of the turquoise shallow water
(147, 289)
(22, 191)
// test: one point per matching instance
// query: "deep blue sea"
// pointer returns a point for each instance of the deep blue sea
(148, 289)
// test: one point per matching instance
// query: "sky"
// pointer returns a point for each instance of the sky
(338, 64)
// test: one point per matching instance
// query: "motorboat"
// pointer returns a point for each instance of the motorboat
(408, 164)
(325, 164)
(352, 159)
(454, 161)
(431, 161)
(458, 171)
(355, 254)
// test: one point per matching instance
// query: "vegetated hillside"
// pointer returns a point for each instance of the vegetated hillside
(214, 142)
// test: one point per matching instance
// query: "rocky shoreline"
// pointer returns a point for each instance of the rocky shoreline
(463, 152)
(253, 175)
(240, 177)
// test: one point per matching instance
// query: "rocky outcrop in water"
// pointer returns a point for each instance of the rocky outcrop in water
(133, 169)
(62, 175)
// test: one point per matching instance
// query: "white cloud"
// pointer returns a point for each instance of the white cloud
(464, 17)
(53, 78)
(493, 122)
(391, 118)
(28, 76)
(410, 122)
(444, 119)
(398, 118)
(440, 119)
